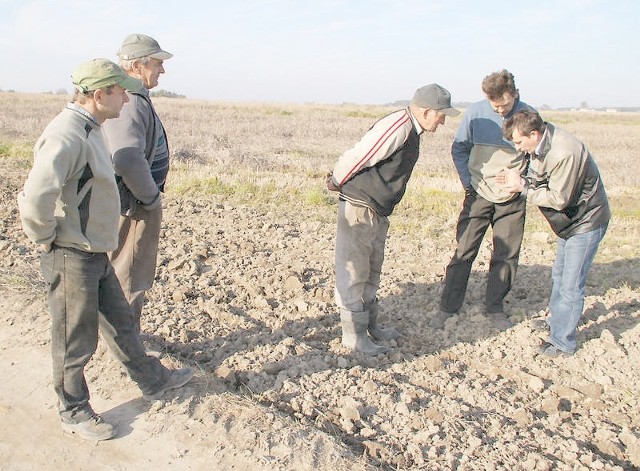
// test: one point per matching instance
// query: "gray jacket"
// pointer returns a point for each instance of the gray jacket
(132, 139)
(564, 182)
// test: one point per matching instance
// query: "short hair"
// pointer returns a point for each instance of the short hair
(127, 64)
(525, 121)
(81, 97)
(495, 85)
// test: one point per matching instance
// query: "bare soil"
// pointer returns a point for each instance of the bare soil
(244, 295)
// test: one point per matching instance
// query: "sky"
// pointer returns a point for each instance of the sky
(563, 53)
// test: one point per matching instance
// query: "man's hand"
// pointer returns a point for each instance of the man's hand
(45, 247)
(329, 182)
(510, 181)
(156, 203)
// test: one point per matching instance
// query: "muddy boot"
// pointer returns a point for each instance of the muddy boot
(377, 332)
(354, 332)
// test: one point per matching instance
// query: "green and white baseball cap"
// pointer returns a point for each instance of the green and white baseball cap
(101, 73)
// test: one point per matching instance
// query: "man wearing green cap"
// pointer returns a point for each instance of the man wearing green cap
(140, 154)
(70, 207)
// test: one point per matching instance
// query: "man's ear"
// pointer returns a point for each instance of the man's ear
(98, 95)
(136, 66)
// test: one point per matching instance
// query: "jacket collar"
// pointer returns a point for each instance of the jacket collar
(416, 124)
(545, 143)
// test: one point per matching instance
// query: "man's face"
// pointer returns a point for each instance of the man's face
(503, 105)
(110, 104)
(526, 142)
(431, 120)
(150, 72)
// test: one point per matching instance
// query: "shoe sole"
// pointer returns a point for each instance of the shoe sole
(68, 430)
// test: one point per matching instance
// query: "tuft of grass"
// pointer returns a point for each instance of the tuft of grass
(247, 189)
(536, 222)
(16, 150)
(16, 281)
(199, 186)
(432, 201)
(317, 197)
(627, 207)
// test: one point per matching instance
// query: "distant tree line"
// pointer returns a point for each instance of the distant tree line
(167, 94)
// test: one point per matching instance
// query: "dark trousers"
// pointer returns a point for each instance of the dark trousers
(84, 295)
(507, 222)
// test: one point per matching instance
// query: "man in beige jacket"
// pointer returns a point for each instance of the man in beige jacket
(70, 207)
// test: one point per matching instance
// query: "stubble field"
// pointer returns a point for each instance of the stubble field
(244, 294)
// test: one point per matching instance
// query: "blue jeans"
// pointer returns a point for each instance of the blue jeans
(569, 275)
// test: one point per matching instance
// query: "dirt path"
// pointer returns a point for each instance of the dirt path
(183, 431)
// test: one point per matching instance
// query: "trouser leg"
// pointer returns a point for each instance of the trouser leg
(569, 273)
(73, 293)
(135, 259)
(508, 230)
(123, 339)
(473, 222)
(359, 255)
(376, 260)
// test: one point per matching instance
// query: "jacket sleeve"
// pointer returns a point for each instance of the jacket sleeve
(382, 140)
(126, 137)
(54, 163)
(556, 192)
(461, 150)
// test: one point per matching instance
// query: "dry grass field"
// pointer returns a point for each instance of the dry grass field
(244, 294)
(258, 153)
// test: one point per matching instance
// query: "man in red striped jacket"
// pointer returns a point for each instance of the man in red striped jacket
(372, 178)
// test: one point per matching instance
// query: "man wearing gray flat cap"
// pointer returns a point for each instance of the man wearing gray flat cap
(371, 179)
(140, 154)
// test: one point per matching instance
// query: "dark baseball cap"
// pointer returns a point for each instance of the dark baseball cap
(434, 97)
